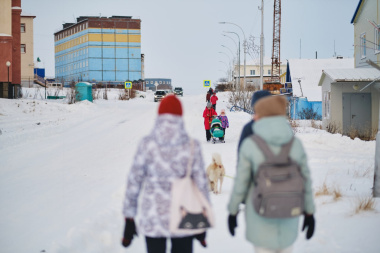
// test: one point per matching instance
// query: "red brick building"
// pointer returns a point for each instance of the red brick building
(10, 52)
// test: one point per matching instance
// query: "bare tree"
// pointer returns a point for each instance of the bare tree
(242, 97)
(253, 49)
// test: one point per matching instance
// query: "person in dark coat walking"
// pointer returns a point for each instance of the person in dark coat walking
(208, 96)
(208, 113)
(247, 129)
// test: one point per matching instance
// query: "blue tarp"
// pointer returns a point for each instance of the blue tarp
(299, 105)
(40, 72)
(288, 78)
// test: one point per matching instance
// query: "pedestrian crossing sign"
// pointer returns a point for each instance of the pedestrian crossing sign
(207, 83)
(128, 85)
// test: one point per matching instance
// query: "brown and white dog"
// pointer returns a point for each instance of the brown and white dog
(215, 172)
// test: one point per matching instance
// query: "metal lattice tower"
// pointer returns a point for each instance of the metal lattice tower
(275, 74)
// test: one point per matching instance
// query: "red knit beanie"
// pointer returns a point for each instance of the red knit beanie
(170, 104)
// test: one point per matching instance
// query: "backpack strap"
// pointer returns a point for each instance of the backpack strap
(190, 162)
(285, 150)
(263, 146)
(283, 156)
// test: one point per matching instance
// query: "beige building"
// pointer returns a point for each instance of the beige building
(350, 97)
(253, 72)
(5, 18)
(27, 47)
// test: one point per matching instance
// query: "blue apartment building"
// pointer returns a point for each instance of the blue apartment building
(99, 49)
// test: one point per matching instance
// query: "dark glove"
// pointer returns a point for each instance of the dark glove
(129, 232)
(232, 224)
(308, 222)
(202, 239)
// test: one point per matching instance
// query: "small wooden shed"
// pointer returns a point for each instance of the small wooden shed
(349, 102)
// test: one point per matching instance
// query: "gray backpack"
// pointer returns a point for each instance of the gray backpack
(279, 184)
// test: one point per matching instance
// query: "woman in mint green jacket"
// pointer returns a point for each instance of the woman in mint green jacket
(269, 234)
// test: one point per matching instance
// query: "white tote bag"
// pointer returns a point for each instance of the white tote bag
(190, 211)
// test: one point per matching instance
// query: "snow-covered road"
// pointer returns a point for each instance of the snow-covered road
(63, 170)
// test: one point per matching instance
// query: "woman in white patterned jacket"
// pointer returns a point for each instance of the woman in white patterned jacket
(162, 157)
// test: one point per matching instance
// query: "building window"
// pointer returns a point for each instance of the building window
(326, 98)
(253, 72)
(22, 28)
(268, 71)
(377, 39)
(363, 45)
(23, 48)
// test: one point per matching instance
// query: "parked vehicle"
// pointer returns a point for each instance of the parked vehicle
(55, 85)
(159, 94)
(178, 91)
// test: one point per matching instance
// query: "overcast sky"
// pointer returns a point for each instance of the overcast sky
(181, 39)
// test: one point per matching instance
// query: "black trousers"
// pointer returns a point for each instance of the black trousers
(179, 245)
(224, 134)
(208, 135)
(214, 106)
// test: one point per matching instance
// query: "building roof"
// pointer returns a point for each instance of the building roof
(309, 72)
(357, 11)
(266, 61)
(28, 16)
(350, 75)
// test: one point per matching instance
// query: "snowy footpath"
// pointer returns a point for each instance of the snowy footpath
(63, 170)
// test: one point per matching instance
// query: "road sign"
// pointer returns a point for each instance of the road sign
(128, 85)
(207, 83)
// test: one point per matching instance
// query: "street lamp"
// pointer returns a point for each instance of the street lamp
(229, 58)
(225, 35)
(244, 44)
(8, 63)
(228, 69)
(229, 50)
(238, 55)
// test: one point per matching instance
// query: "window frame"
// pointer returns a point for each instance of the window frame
(22, 25)
(327, 105)
(23, 46)
(377, 38)
(363, 45)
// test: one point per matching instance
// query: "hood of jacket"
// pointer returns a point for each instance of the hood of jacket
(169, 130)
(274, 130)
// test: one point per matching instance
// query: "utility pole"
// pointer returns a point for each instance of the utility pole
(376, 179)
(262, 45)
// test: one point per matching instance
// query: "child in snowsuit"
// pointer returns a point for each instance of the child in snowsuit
(272, 235)
(223, 118)
(208, 113)
(213, 99)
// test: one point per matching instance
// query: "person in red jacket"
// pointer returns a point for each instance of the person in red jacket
(213, 99)
(207, 115)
